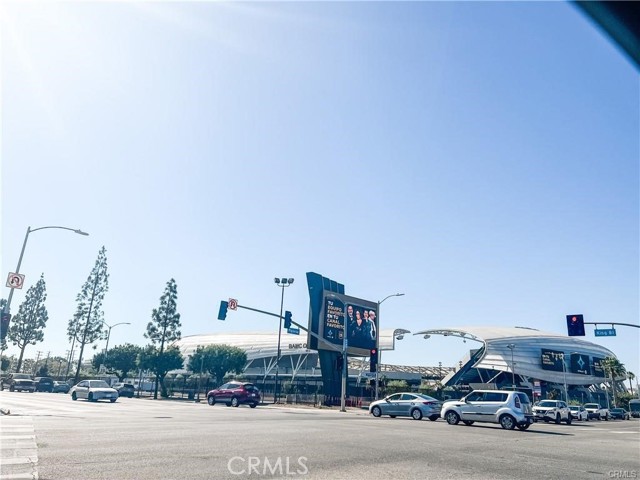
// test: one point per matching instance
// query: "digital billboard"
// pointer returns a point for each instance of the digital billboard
(580, 364)
(598, 367)
(354, 317)
(552, 360)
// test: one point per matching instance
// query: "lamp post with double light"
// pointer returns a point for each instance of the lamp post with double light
(282, 283)
(377, 372)
(106, 348)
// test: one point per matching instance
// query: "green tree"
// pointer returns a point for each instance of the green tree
(43, 371)
(86, 325)
(614, 370)
(395, 386)
(218, 360)
(165, 324)
(119, 360)
(160, 363)
(27, 327)
(630, 376)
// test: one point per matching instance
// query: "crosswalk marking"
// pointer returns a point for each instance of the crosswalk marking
(18, 448)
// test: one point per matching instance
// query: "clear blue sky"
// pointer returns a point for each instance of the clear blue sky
(481, 158)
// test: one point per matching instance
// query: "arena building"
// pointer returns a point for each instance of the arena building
(540, 363)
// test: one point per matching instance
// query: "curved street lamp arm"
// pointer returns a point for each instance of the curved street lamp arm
(389, 296)
(74, 230)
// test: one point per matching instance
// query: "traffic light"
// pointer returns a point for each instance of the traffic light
(575, 325)
(4, 324)
(373, 360)
(222, 314)
(287, 319)
(339, 363)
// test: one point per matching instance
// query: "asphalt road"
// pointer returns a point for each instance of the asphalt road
(48, 436)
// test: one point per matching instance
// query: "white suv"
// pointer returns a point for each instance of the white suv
(552, 410)
(509, 409)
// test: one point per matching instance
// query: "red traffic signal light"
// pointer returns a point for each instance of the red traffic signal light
(575, 325)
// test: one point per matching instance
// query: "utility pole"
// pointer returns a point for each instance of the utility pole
(35, 366)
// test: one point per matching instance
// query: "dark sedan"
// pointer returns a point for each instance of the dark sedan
(619, 414)
(61, 387)
(125, 389)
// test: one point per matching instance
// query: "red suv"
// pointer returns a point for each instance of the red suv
(235, 393)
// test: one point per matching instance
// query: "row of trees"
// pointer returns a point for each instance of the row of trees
(87, 326)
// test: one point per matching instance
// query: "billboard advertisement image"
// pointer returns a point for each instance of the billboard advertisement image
(354, 317)
(598, 367)
(580, 364)
(552, 360)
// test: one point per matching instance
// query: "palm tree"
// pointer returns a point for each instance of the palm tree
(630, 376)
(616, 370)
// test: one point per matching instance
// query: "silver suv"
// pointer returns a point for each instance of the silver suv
(509, 409)
(552, 410)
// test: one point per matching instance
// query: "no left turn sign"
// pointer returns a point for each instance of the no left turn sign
(15, 280)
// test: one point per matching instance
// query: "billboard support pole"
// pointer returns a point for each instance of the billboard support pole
(345, 370)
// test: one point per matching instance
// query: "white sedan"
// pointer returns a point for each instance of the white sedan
(94, 390)
(578, 412)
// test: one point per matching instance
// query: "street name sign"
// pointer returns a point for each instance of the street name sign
(605, 332)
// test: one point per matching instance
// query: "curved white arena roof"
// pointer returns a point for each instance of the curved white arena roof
(522, 346)
(265, 344)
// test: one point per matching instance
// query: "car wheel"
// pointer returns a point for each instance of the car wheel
(113, 400)
(606, 418)
(376, 411)
(416, 414)
(569, 420)
(452, 417)
(558, 418)
(211, 400)
(523, 426)
(468, 423)
(11, 388)
(393, 416)
(234, 402)
(74, 397)
(253, 405)
(90, 398)
(507, 422)
(433, 418)
(587, 419)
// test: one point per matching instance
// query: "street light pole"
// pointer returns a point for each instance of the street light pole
(106, 348)
(7, 307)
(511, 347)
(378, 350)
(564, 372)
(281, 282)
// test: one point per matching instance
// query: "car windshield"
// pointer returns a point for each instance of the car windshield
(617, 410)
(427, 397)
(22, 376)
(98, 384)
(573, 407)
(548, 403)
(591, 405)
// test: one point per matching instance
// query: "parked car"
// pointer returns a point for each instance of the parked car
(619, 414)
(552, 410)
(233, 394)
(94, 390)
(125, 389)
(508, 408)
(578, 412)
(18, 382)
(405, 404)
(44, 384)
(61, 387)
(596, 411)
